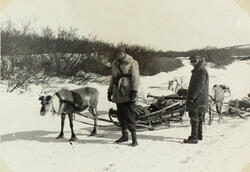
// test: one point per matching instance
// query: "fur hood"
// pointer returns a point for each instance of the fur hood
(199, 65)
(127, 59)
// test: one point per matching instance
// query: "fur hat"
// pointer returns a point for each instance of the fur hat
(194, 57)
(121, 48)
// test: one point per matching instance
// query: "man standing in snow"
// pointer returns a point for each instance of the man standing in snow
(197, 98)
(122, 90)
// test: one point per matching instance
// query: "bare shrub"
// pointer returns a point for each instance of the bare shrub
(61, 64)
(63, 53)
(83, 78)
(20, 71)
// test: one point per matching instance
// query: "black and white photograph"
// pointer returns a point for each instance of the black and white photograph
(125, 86)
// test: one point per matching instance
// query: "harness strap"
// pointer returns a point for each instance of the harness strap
(53, 110)
(58, 95)
(75, 104)
(63, 101)
(77, 100)
(122, 74)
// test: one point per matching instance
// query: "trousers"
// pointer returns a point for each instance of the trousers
(126, 116)
(196, 120)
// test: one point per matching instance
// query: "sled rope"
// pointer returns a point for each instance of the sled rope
(90, 123)
(89, 117)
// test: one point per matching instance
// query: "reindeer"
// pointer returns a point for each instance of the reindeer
(176, 84)
(217, 100)
(69, 102)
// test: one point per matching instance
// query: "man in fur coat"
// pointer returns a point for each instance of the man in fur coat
(197, 98)
(123, 88)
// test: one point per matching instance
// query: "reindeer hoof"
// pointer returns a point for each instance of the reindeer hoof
(60, 136)
(92, 134)
(72, 139)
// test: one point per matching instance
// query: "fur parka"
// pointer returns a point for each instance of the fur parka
(198, 90)
(124, 78)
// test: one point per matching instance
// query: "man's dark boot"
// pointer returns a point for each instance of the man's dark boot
(200, 137)
(194, 130)
(191, 141)
(124, 137)
(134, 139)
(189, 138)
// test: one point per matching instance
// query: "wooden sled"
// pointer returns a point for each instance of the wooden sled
(167, 109)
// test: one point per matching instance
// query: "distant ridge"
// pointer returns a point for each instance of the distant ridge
(238, 46)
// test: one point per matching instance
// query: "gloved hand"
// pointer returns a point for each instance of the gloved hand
(182, 92)
(109, 96)
(133, 95)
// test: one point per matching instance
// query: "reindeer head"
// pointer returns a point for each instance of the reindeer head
(172, 85)
(46, 102)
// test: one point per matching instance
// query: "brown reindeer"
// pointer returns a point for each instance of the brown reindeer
(67, 102)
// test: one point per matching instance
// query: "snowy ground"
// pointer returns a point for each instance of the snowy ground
(28, 140)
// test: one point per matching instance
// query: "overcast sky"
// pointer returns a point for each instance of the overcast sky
(160, 24)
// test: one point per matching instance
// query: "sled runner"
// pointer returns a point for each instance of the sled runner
(167, 109)
(240, 107)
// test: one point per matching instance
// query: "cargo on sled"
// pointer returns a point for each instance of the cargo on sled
(165, 110)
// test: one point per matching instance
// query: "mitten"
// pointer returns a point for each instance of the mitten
(133, 95)
(109, 96)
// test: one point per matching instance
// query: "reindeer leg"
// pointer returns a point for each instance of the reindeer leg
(218, 109)
(73, 136)
(94, 113)
(221, 110)
(210, 115)
(62, 126)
